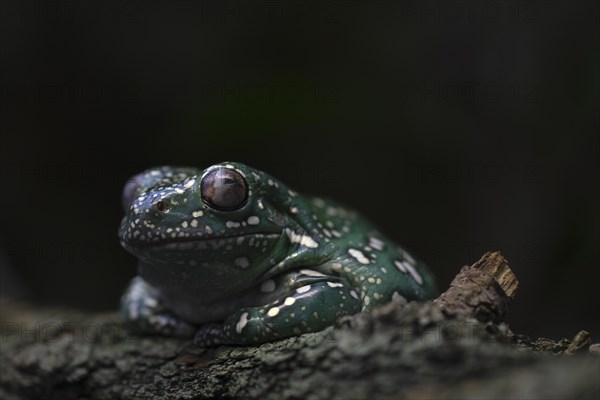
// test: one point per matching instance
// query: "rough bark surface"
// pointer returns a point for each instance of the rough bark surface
(456, 346)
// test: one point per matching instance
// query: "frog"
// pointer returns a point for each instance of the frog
(230, 255)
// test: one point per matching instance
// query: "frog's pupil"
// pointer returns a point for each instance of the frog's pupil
(224, 189)
(160, 206)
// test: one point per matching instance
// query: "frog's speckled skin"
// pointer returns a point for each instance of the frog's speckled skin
(280, 265)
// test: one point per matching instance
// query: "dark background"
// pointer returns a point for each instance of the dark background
(458, 127)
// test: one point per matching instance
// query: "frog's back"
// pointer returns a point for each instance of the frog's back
(371, 262)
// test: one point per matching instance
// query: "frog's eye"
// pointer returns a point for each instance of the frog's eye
(224, 189)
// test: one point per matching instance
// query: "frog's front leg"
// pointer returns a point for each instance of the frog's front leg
(308, 308)
(143, 308)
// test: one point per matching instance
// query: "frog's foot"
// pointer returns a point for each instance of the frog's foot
(143, 309)
(309, 308)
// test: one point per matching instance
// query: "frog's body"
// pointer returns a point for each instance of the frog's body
(235, 256)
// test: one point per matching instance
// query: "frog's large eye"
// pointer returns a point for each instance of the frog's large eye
(224, 189)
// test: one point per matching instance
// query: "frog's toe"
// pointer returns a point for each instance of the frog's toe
(208, 335)
(169, 325)
(143, 310)
(161, 324)
(244, 327)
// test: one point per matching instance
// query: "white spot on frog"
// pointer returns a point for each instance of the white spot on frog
(241, 323)
(232, 224)
(376, 243)
(413, 272)
(319, 202)
(334, 284)
(303, 240)
(289, 301)
(242, 262)
(273, 311)
(331, 211)
(359, 256)
(400, 266)
(407, 268)
(267, 286)
(354, 294)
(303, 289)
(150, 302)
(197, 214)
(253, 220)
(310, 272)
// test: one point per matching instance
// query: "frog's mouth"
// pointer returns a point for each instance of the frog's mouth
(200, 243)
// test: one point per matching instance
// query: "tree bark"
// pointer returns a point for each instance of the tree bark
(455, 346)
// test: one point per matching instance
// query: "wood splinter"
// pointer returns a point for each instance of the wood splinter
(481, 290)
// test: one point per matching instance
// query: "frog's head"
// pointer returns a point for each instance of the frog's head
(228, 222)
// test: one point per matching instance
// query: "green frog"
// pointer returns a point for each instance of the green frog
(231, 255)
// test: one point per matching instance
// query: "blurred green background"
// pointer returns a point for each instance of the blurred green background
(457, 127)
